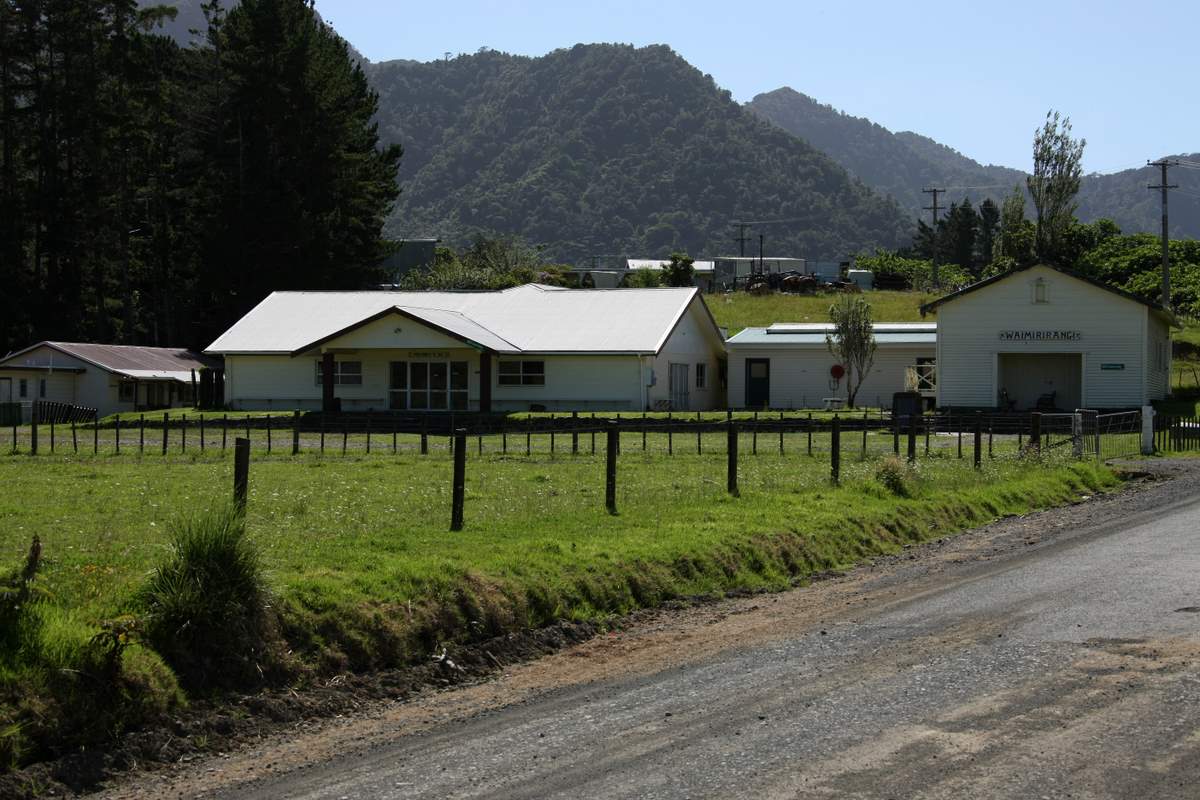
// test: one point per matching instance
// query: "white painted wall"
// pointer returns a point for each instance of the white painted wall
(1114, 330)
(692, 342)
(800, 374)
(573, 382)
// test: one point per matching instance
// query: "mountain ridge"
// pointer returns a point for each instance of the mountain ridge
(903, 163)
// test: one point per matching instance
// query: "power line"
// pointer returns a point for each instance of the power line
(934, 209)
(1165, 187)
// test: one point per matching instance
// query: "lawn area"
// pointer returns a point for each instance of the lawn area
(367, 575)
(739, 310)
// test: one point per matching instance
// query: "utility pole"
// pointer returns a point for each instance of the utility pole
(1166, 257)
(934, 209)
(741, 238)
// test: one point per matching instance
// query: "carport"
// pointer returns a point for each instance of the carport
(1040, 380)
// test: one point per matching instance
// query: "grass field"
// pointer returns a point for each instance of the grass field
(740, 310)
(366, 574)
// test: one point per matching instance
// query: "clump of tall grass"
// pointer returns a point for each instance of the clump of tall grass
(207, 607)
(895, 476)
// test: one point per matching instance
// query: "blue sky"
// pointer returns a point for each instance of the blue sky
(978, 77)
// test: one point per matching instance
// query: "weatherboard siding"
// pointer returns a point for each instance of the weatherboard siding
(1112, 331)
(691, 342)
(800, 375)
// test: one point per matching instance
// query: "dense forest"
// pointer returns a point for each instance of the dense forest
(902, 164)
(609, 149)
(152, 194)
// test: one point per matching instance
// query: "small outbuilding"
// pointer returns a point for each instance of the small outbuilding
(789, 365)
(1045, 338)
(111, 378)
(532, 347)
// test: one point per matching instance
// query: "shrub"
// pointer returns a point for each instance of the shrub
(895, 476)
(643, 278)
(207, 605)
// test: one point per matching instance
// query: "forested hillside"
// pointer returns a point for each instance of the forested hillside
(902, 164)
(608, 149)
(897, 164)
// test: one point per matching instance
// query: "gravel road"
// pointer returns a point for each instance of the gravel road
(1053, 655)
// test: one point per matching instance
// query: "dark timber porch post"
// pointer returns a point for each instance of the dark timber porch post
(327, 368)
(485, 382)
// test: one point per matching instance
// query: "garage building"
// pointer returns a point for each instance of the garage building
(1044, 338)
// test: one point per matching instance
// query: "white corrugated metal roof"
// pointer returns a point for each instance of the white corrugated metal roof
(812, 334)
(530, 318)
(659, 263)
(878, 327)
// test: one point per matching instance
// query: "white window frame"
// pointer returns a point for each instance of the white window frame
(531, 372)
(341, 375)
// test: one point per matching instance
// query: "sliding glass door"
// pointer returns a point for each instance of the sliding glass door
(429, 385)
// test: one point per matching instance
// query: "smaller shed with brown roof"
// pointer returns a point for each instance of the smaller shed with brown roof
(111, 378)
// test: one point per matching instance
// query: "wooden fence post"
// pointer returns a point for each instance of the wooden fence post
(808, 427)
(610, 468)
(1035, 430)
(166, 429)
(141, 434)
(116, 433)
(731, 448)
(424, 435)
(345, 435)
(295, 432)
(978, 439)
(835, 450)
(460, 479)
(594, 433)
(241, 473)
(574, 433)
(528, 436)
(95, 432)
(896, 435)
(551, 434)
(864, 436)
(268, 434)
(670, 435)
(991, 426)
(754, 436)
(74, 437)
(33, 426)
(224, 430)
(643, 434)
(925, 424)
(52, 417)
(368, 435)
(699, 446)
(781, 420)
(618, 433)
(201, 433)
(394, 434)
(183, 433)
(912, 438)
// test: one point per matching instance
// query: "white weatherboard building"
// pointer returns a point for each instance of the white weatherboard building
(1040, 337)
(110, 378)
(788, 365)
(530, 347)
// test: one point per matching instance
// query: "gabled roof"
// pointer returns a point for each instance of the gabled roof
(525, 319)
(930, 306)
(129, 361)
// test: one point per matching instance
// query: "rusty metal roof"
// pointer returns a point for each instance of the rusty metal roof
(131, 361)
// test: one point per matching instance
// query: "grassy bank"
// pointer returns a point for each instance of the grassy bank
(741, 310)
(366, 574)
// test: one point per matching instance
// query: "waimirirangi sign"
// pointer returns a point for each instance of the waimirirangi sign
(1040, 336)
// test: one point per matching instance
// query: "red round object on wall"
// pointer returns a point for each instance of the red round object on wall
(837, 371)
